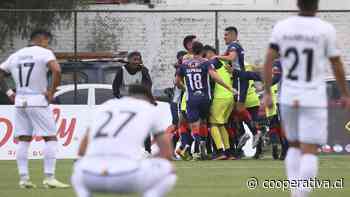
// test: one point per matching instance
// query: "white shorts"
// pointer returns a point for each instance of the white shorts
(305, 125)
(38, 121)
(148, 173)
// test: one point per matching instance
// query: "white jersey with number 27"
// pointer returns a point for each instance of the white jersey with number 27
(29, 67)
(305, 45)
(118, 132)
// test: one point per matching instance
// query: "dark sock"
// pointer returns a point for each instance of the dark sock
(274, 138)
(174, 140)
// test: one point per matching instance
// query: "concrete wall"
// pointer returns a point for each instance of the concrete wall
(159, 35)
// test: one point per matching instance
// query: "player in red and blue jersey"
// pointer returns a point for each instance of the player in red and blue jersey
(194, 76)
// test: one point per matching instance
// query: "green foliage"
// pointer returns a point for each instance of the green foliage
(22, 23)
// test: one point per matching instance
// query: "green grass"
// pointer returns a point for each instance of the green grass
(195, 179)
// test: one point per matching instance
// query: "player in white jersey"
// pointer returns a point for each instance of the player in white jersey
(306, 45)
(110, 149)
(32, 116)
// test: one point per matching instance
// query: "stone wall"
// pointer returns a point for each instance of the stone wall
(158, 36)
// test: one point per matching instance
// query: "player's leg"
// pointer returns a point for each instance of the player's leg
(226, 110)
(193, 117)
(185, 137)
(44, 126)
(78, 182)
(315, 118)
(204, 109)
(157, 177)
(244, 116)
(290, 122)
(23, 133)
(215, 111)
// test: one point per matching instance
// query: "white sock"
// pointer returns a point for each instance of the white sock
(162, 188)
(292, 163)
(308, 170)
(22, 159)
(50, 158)
(78, 184)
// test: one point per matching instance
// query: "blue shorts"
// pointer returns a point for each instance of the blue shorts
(197, 109)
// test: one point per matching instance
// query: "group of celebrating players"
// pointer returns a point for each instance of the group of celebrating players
(215, 96)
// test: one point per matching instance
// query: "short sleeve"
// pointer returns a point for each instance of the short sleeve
(160, 122)
(231, 48)
(49, 56)
(216, 63)
(180, 71)
(5, 66)
(331, 44)
(274, 39)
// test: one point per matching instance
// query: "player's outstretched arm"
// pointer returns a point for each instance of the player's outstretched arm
(230, 57)
(339, 73)
(272, 54)
(56, 78)
(165, 148)
(214, 75)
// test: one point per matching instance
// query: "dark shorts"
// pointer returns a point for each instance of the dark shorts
(197, 109)
(254, 112)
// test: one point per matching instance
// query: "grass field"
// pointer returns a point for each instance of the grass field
(195, 179)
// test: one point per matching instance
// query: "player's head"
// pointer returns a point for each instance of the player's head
(188, 40)
(41, 37)
(197, 48)
(179, 57)
(134, 59)
(209, 52)
(231, 34)
(310, 6)
(141, 92)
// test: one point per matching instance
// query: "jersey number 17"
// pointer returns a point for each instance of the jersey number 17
(28, 67)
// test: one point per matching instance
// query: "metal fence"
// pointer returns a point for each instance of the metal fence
(158, 34)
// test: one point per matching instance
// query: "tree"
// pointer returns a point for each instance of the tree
(15, 24)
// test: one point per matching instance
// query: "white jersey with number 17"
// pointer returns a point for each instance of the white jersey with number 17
(28, 67)
(305, 45)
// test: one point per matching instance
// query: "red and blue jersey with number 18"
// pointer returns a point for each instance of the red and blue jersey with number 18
(196, 77)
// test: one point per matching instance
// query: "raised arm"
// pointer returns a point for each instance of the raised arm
(214, 75)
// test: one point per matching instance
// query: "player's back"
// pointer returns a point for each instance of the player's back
(29, 68)
(305, 44)
(195, 73)
(118, 132)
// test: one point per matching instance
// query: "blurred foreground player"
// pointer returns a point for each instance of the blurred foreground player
(306, 44)
(109, 150)
(29, 67)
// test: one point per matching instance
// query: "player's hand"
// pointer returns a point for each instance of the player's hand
(240, 107)
(345, 102)
(267, 100)
(49, 95)
(234, 91)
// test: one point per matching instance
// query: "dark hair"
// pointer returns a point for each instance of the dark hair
(308, 5)
(197, 48)
(188, 39)
(133, 54)
(232, 29)
(40, 32)
(180, 54)
(141, 90)
(207, 48)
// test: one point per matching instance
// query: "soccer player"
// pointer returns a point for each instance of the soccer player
(221, 107)
(305, 44)
(234, 55)
(186, 139)
(195, 73)
(109, 150)
(32, 115)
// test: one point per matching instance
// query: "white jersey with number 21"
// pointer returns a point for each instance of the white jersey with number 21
(305, 45)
